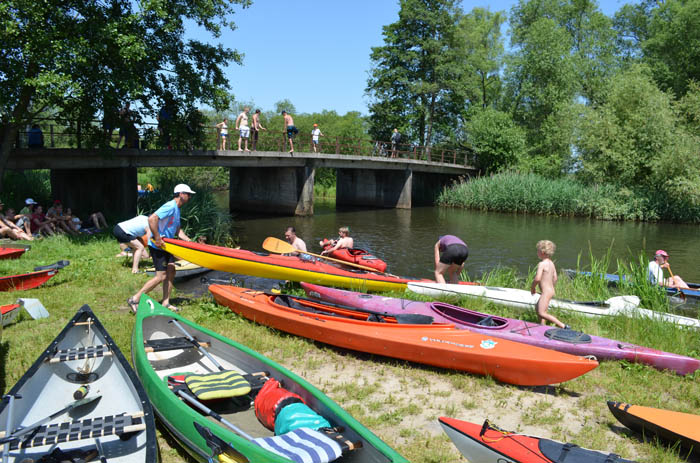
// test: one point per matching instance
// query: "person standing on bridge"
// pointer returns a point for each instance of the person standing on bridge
(242, 127)
(164, 223)
(395, 140)
(315, 133)
(450, 254)
(222, 127)
(255, 129)
(291, 130)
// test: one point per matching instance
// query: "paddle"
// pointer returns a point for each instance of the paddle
(58, 265)
(35, 308)
(278, 246)
(401, 318)
(21, 432)
(197, 345)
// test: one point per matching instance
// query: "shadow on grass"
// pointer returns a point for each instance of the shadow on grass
(682, 453)
(4, 350)
(173, 443)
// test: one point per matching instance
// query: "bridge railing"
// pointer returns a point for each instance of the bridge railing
(73, 135)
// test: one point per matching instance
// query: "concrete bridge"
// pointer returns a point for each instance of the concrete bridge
(261, 181)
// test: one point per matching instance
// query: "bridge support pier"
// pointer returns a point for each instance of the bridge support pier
(111, 191)
(276, 190)
(374, 188)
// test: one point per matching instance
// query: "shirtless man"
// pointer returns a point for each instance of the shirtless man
(255, 129)
(291, 130)
(242, 127)
(290, 235)
(344, 241)
(9, 228)
(546, 278)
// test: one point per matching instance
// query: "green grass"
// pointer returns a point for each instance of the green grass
(398, 401)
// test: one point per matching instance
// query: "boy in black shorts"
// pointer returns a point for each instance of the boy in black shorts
(450, 254)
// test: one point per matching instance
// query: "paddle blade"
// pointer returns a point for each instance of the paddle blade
(277, 246)
(35, 308)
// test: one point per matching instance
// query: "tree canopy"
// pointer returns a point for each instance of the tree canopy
(85, 58)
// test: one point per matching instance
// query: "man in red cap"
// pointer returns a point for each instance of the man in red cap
(656, 273)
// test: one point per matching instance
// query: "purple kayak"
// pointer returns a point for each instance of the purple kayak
(569, 341)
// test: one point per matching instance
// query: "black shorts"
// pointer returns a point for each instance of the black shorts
(121, 235)
(454, 254)
(161, 259)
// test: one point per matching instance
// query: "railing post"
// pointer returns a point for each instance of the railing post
(337, 145)
(359, 147)
(51, 131)
(442, 156)
(454, 157)
(78, 135)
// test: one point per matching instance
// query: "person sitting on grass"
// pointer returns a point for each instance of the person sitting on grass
(656, 273)
(63, 221)
(99, 220)
(132, 232)
(12, 220)
(40, 224)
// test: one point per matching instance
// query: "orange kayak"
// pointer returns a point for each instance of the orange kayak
(673, 427)
(437, 344)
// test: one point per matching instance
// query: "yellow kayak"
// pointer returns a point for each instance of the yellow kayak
(293, 268)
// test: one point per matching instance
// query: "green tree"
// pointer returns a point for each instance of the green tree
(637, 139)
(496, 139)
(416, 81)
(84, 58)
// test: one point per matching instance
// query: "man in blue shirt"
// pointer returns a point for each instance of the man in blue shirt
(164, 223)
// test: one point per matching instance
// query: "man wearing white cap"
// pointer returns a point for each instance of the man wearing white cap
(26, 211)
(164, 223)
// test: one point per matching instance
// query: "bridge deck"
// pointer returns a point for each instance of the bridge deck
(69, 158)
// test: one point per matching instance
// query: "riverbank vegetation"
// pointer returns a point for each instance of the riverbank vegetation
(605, 103)
(532, 193)
(398, 401)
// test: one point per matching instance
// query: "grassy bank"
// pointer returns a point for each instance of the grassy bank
(397, 400)
(534, 194)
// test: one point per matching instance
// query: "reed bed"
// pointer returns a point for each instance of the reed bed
(534, 194)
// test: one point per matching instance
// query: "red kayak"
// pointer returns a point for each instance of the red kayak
(9, 313)
(26, 280)
(488, 444)
(355, 256)
(11, 253)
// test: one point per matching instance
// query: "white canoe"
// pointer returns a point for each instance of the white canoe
(521, 299)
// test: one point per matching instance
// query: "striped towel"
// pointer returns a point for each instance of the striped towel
(219, 385)
(303, 445)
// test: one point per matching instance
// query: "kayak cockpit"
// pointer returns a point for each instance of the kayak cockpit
(463, 316)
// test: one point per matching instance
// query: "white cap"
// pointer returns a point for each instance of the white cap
(29, 201)
(182, 188)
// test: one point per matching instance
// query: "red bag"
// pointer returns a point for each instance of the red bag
(270, 400)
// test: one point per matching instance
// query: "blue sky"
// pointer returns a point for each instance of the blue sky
(316, 52)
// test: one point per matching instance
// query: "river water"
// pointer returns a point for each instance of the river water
(405, 238)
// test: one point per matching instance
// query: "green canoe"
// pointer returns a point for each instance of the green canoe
(161, 349)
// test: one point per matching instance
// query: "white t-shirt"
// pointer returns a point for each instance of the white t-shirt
(315, 134)
(224, 129)
(655, 273)
(136, 226)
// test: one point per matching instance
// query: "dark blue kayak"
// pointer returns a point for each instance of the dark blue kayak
(614, 280)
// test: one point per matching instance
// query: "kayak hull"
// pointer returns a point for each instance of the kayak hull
(520, 299)
(509, 328)
(183, 270)
(293, 268)
(11, 253)
(50, 384)
(356, 256)
(484, 444)
(439, 345)
(153, 323)
(27, 280)
(670, 426)
(9, 313)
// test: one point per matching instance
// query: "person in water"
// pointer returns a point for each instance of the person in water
(343, 241)
(450, 255)
(290, 234)
(656, 273)
(545, 278)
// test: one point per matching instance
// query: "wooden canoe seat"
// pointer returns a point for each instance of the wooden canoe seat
(160, 345)
(81, 353)
(88, 428)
